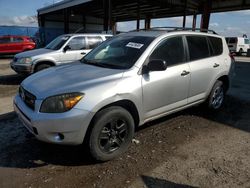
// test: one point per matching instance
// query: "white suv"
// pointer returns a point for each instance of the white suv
(64, 49)
(123, 83)
(238, 45)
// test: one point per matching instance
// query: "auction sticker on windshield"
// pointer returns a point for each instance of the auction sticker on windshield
(134, 45)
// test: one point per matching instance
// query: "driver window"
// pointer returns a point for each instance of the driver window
(77, 43)
(170, 50)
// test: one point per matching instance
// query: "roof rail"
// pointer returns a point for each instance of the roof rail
(171, 29)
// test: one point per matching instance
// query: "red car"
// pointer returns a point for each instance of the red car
(11, 44)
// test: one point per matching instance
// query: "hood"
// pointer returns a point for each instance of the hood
(33, 53)
(74, 77)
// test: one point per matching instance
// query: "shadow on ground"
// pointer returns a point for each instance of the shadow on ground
(151, 182)
(18, 148)
(14, 79)
(6, 56)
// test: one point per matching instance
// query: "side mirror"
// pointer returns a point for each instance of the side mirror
(66, 48)
(155, 65)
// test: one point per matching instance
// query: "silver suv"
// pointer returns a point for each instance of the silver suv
(126, 81)
(64, 49)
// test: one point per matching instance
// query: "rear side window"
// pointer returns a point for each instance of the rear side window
(4, 40)
(216, 44)
(246, 41)
(17, 39)
(94, 41)
(108, 37)
(232, 40)
(77, 43)
(198, 47)
(170, 50)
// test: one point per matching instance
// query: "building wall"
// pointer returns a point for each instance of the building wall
(54, 25)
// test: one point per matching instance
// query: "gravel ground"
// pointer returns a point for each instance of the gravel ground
(192, 148)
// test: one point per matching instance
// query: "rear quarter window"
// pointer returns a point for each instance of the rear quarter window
(4, 40)
(94, 41)
(216, 45)
(198, 47)
(232, 40)
(17, 39)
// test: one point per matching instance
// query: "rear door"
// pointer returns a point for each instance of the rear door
(204, 63)
(166, 90)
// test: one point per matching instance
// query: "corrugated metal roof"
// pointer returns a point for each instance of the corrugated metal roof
(61, 5)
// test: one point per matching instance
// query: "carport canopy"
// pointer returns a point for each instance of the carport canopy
(112, 11)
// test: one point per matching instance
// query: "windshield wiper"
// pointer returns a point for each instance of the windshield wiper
(91, 62)
(105, 65)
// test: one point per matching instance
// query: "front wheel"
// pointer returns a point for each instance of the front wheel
(217, 95)
(111, 134)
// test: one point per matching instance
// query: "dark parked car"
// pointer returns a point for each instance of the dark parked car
(14, 44)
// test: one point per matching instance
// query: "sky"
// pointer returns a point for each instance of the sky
(23, 13)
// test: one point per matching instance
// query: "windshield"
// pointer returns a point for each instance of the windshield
(120, 52)
(57, 43)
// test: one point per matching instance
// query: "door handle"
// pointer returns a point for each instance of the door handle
(216, 65)
(83, 53)
(184, 73)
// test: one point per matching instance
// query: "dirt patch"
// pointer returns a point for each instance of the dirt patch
(194, 147)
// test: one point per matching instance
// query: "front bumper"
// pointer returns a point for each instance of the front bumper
(68, 128)
(21, 68)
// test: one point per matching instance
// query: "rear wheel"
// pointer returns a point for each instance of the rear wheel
(42, 67)
(217, 95)
(111, 133)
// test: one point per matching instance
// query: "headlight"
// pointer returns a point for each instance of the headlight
(25, 60)
(60, 103)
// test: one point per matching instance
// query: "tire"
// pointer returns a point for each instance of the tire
(111, 133)
(216, 96)
(240, 52)
(42, 67)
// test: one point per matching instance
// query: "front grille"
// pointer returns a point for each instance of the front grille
(28, 98)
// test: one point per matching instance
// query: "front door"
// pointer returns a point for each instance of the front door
(167, 90)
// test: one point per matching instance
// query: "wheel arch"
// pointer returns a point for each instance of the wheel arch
(47, 62)
(126, 104)
(225, 80)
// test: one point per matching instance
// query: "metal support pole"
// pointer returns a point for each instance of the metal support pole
(138, 16)
(206, 15)
(66, 21)
(84, 22)
(114, 28)
(106, 15)
(185, 14)
(41, 20)
(110, 22)
(184, 20)
(194, 21)
(147, 23)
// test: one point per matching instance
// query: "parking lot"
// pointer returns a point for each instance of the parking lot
(192, 148)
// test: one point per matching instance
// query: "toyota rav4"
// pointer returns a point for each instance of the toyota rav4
(126, 81)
